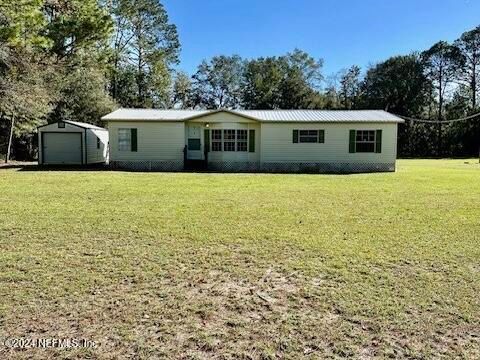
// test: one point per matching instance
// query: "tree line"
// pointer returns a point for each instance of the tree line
(79, 59)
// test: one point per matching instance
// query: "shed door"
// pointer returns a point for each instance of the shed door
(62, 148)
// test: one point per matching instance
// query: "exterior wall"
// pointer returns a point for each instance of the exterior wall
(159, 146)
(279, 153)
(229, 160)
(95, 155)
(53, 128)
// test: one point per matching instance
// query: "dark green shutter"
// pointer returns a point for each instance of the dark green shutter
(251, 140)
(351, 148)
(295, 136)
(134, 139)
(206, 139)
(321, 136)
(378, 142)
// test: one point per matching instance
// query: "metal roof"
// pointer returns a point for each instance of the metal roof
(84, 125)
(153, 114)
(259, 115)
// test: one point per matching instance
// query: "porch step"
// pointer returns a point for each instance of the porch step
(196, 165)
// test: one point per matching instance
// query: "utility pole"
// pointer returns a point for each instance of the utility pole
(9, 146)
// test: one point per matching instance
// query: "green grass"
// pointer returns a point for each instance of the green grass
(244, 265)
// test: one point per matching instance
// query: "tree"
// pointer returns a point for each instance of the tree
(218, 82)
(82, 96)
(261, 84)
(350, 87)
(291, 81)
(23, 24)
(398, 85)
(302, 77)
(443, 62)
(469, 45)
(144, 41)
(182, 91)
(76, 25)
(25, 99)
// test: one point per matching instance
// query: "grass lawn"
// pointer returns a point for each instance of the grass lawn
(251, 266)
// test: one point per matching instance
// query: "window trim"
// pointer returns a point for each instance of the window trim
(216, 141)
(243, 141)
(373, 142)
(319, 137)
(128, 140)
(221, 142)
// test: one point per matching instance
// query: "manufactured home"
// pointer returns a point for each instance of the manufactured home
(253, 140)
(72, 143)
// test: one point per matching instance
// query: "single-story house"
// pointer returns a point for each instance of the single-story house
(72, 143)
(253, 140)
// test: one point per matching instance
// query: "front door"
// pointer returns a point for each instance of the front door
(194, 143)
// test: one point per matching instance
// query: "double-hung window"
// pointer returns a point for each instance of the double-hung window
(241, 140)
(365, 141)
(228, 140)
(127, 139)
(308, 136)
(124, 139)
(216, 140)
(232, 140)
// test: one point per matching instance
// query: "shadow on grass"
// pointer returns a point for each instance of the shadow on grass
(35, 167)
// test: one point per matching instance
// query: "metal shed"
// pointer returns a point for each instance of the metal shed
(72, 143)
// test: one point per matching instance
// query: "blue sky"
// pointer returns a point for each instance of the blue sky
(342, 32)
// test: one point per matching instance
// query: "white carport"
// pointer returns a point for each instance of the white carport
(72, 143)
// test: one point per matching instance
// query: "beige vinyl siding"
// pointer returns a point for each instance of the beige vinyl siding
(156, 141)
(95, 155)
(277, 143)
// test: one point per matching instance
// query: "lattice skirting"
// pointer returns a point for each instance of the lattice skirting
(234, 166)
(335, 168)
(307, 167)
(147, 165)
(280, 167)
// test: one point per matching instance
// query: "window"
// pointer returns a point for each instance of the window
(98, 143)
(216, 140)
(228, 140)
(365, 141)
(308, 136)
(232, 140)
(194, 144)
(241, 140)
(124, 139)
(61, 125)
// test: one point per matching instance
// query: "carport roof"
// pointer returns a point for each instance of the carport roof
(259, 115)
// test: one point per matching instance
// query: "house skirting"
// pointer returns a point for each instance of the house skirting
(147, 165)
(327, 168)
(276, 167)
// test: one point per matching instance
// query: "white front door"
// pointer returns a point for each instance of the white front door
(194, 143)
